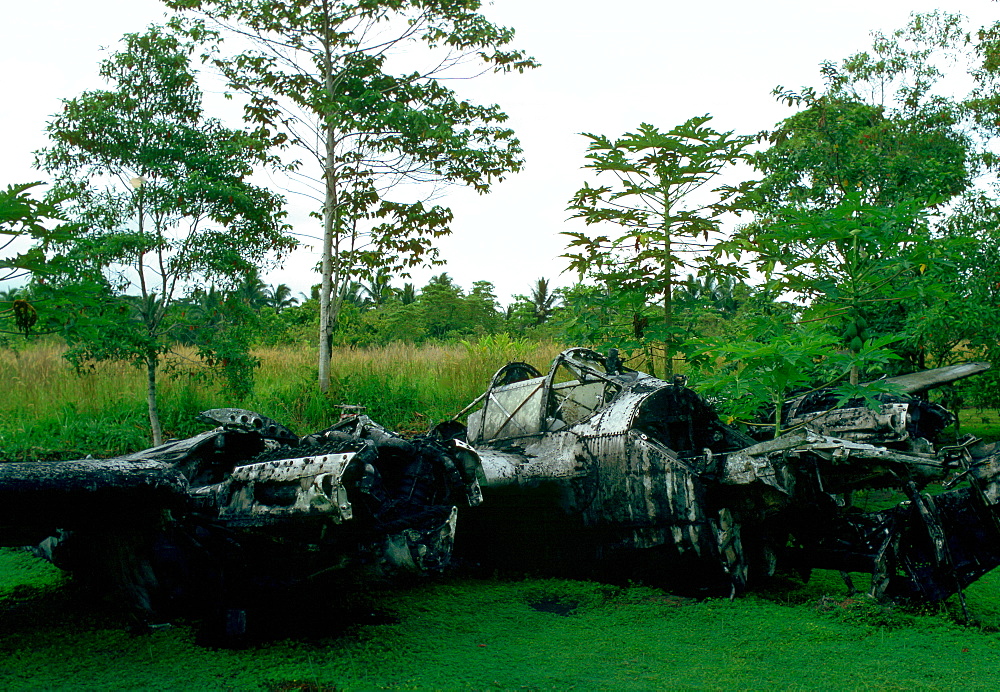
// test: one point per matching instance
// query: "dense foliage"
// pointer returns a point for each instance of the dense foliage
(668, 224)
(869, 220)
(374, 315)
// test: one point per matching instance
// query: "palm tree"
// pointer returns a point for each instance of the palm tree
(207, 306)
(11, 294)
(724, 296)
(408, 294)
(354, 293)
(280, 297)
(378, 289)
(543, 302)
(691, 291)
(252, 290)
(721, 296)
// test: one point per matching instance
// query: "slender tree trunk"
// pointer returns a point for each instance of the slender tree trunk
(668, 311)
(330, 211)
(326, 315)
(779, 411)
(154, 414)
(668, 286)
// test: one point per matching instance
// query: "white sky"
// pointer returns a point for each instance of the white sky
(606, 67)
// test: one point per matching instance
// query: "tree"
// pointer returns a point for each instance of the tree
(378, 289)
(966, 323)
(747, 375)
(482, 308)
(669, 220)
(543, 301)
(354, 293)
(706, 292)
(408, 294)
(847, 258)
(26, 220)
(535, 309)
(604, 316)
(442, 306)
(318, 77)
(851, 183)
(760, 371)
(836, 145)
(161, 196)
(251, 290)
(280, 297)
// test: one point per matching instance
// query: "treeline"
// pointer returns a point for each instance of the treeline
(376, 313)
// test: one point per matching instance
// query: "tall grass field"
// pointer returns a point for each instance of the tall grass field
(49, 411)
(462, 631)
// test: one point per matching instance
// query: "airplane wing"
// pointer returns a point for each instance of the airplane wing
(918, 382)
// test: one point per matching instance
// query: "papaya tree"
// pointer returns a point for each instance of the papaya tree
(29, 227)
(668, 218)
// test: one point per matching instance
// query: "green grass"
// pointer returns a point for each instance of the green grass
(475, 634)
(983, 423)
(50, 412)
(21, 571)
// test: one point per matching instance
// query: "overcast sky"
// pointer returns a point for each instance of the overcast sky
(606, 67)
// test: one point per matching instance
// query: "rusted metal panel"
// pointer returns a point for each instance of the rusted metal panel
(273, 490)
(886, 425)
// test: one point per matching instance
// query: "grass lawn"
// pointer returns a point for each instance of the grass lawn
(981, 422)
(463, 633)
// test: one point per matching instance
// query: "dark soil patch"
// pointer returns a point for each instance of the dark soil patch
(556, 606)
(300, 686)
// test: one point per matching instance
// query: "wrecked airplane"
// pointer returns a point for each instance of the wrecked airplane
(590, 469)
(648, 475)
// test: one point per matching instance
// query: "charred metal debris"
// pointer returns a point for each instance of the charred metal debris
(209, 524)
(590, 469)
